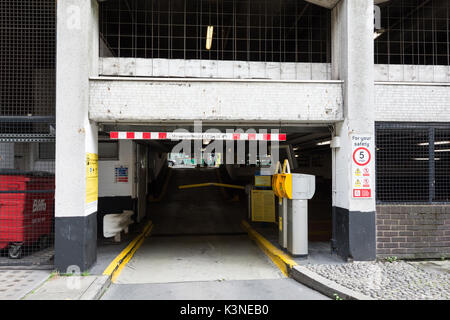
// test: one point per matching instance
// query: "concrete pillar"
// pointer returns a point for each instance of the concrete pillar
(76, 137)
(352, 61)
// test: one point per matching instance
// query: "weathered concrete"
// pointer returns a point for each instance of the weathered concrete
(71, 288)
(140, 100)
(77, 56)
(273, 289)
(136, 67)
(352, 61)
(402, 101)
(198, 258)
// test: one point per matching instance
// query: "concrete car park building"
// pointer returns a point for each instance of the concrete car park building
(360, 89)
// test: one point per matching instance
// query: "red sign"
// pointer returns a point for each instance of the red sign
(362, 193)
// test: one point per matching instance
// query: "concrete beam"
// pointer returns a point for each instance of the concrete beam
(330, 4)
(135, 100)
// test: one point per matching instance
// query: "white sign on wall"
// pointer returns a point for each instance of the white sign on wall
(362, 158)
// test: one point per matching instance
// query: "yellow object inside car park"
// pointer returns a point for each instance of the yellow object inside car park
(282, 183)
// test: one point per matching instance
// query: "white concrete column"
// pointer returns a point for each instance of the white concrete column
(76, 136)
(352, 61)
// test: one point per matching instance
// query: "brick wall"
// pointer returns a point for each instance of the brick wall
(413, 231)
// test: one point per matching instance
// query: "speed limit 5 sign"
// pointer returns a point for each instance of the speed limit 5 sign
(361, 156)
(362, 175)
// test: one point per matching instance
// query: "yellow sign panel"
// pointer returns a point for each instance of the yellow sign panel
(91, 177)
(263, 181)
(263, 206)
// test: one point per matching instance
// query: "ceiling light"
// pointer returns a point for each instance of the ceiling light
(324, 143)
(437, 143)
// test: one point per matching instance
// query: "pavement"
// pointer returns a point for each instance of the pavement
(70, 288)
(15, 284)
(269, 289)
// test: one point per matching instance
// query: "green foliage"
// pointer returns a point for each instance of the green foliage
(391, 259)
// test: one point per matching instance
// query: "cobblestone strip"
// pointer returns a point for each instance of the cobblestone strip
(398, 280)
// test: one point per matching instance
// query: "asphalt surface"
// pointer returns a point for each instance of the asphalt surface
(198, 250)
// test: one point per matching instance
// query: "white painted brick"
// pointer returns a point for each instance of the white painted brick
(412, 102)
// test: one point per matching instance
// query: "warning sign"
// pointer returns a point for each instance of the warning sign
(91, 183)
(362, 146)
(121, 174)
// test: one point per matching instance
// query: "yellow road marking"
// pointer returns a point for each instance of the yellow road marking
(211, 184)
(283, 261)
(116, 266)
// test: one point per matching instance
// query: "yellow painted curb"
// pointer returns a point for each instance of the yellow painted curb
(283, 261)
(115, 267)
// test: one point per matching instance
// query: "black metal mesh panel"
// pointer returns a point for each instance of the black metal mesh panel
(442, 165)
(415, 32)
(405, 172)
(27, 131)
(27, 57)
(248, 30)
(402, 165)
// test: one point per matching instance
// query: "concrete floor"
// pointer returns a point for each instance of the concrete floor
(198, 258)
(274, 289)
(198, 250)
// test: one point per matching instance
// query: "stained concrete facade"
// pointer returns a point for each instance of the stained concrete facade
(345, 96)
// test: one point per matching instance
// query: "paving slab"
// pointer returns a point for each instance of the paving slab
(15, 284)
(69, 288)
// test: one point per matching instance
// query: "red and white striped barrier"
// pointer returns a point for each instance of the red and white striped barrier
(123, 135)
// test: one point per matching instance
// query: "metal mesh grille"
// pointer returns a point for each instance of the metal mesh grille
(27, 131)
(416, 32)
(404, 170)
(256, 30)
(442, 165)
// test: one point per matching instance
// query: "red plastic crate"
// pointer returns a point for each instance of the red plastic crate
(26, 208)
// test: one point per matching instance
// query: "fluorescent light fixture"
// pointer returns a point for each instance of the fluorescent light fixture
(437, 143)
(425, 159)
(442, 150)
(297, 156)
(296, 148)
(324, 143)
(209, 37)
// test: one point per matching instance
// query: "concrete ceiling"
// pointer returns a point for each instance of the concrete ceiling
(330, 4)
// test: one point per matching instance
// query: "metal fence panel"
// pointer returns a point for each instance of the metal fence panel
(27, 131)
